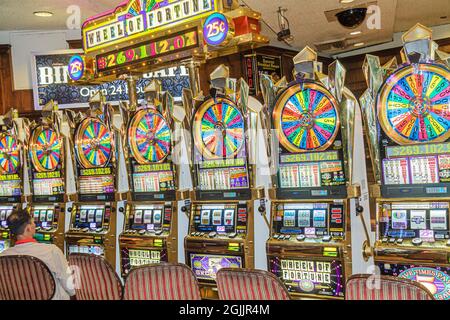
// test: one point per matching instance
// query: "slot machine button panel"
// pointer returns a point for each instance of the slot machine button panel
(448, 243)
(212, 234)
(417, 241)
(400, 241)
(326, 238)
(301, 237)
(85, 229)
(276, 236)
(392, 240)
(159, 232)
(142, 232)
(287, 237)
(384, 240)
(232, 235)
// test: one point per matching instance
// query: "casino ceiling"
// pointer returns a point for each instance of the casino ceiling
(311, 21)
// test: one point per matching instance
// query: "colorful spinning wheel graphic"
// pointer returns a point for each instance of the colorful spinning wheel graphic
(414, 104)
(219, 129)
(306, 118)
(45, 149)
(149, 137)
(93, 143)
(9, 154)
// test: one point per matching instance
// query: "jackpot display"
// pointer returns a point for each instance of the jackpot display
(150, 227)
(312, 187)
(412, 195)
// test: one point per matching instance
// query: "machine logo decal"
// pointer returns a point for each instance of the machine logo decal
(436, 281)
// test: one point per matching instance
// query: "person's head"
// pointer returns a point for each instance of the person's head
(21, 224)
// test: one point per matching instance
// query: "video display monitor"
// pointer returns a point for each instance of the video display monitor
(5, 212)
(309, 219)
(216, 218)
(149, 217)
(305, 276)
(206, 266)
(435, 279)
(44, 216)
(91, 216)
(426, 220)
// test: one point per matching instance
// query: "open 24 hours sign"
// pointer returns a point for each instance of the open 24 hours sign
(51, 82)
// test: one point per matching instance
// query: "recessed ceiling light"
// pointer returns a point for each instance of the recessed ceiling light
(355, 33)
(346, 1)
(359, 44)
(43, 14)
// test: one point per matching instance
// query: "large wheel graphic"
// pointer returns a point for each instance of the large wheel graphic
(93, 143)
(219, 130)
(414, 104)
(45, 149)
(9, 154)
(149, 137)
(306, 118)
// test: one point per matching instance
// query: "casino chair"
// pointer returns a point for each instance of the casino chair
(95, 278)
(25, 278)
(165, 281)
(363, 287)
(250, 284)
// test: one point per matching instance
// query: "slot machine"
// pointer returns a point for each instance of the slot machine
(221, 230)
(311, 139)
(406, 111)
(47, 172)
(92, 227)
(150, 228)
(11, 174)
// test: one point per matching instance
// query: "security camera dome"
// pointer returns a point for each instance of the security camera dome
(352, 18)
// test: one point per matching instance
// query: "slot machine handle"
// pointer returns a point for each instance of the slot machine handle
(185, 209)
(262, 211)
(367, 250)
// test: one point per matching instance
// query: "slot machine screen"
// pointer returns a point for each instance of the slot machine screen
(435, 279)
(95, 250)
(220, 153)
(92, 217)
(149, 217)
(95, 181)
(10, 181)
(310, 277)
(10, 187)
(220, 219)
(311, 160)
(44, 216)
(425, 220)
(310, 219)
(206, 266)
(5, 212)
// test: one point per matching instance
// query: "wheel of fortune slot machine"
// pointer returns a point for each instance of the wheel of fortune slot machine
(407, 107)
(11, 174)
(221, 230)
(150, 228)
(92, 228)
(47, 172)
(312, 120)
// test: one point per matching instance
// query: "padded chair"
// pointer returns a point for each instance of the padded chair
(164, 281)
(95, 278)
(25, 278)
(249, 284)
(389, 288)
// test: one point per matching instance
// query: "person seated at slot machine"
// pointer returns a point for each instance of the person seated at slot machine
(22, 226)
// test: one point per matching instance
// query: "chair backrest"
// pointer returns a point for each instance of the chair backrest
(25, 278)
(375, 287)
(95, 279)
(249, 284)
(164, 281)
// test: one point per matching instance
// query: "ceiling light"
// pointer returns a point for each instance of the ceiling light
(43, 14)
(346, 1)
(359, 44)
(355, 33)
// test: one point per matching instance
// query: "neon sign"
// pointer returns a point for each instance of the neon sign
(141, 18)
(216, 29)
(436, 281)
(149, 50)
(76, 68)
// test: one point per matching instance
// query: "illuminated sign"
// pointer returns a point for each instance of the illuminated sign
(436, 281)
(418, 150)
(76, 68)
(152, 49)
(216, 29)
(142, 18)
(310, 157)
